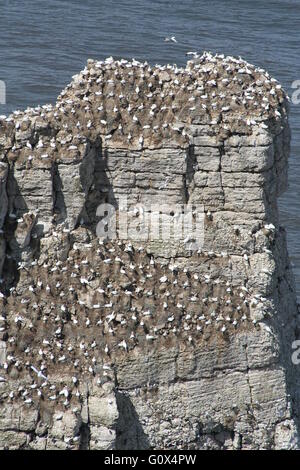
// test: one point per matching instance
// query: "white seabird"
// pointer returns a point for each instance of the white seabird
(170, 39)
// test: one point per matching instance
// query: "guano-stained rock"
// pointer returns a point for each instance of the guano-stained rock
(145, 343)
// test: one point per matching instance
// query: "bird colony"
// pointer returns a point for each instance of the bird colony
(77, 310)
(106, 299)
(133, 105)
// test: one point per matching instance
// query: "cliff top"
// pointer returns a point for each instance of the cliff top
(132, 105)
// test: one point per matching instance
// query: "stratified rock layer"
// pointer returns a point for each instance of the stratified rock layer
(139, 343)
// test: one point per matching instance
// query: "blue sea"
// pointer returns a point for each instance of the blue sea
(44, 42)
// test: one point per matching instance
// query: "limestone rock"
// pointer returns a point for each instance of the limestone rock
(137, 340)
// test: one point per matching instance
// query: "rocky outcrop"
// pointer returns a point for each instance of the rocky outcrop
(143, 341)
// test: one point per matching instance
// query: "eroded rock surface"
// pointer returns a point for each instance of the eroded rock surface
(145, 343)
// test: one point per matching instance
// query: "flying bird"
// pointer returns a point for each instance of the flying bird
(170, 39)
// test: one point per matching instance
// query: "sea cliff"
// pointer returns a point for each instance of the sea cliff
(138, 344)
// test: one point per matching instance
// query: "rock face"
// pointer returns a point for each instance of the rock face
(142, 341)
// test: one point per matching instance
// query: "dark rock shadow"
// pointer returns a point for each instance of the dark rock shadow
(84, 443)
(129, 431)
(16, 208)
(59, 206)
(100, 191)
(191, 163)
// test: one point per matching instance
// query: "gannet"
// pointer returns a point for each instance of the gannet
(170, 39)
